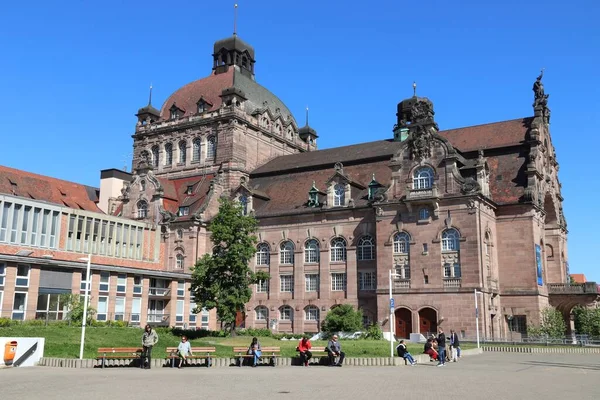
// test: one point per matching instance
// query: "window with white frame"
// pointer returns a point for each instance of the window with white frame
(122, 283)
(423, 178)
(2, 276)
(365, 249)
(23, 272)
(204, 319)
(155, 156)
(192, 316)
(180, 288)
(286, 252)
(367, 280)
(338, 282)
(182, 149)
(311, 282)
(338, 249)
(311, 313)
(84, 283)
(19, 306)
(262, 254)
(168, 154)
(136, 309)
(339, 195)
(450, 240)
(196, 149)
(262, 286)
(179, 261)
(403, 271)
(1, 300)
(179, 311)
(211, 148)
(286, 313)
(401, 243)
(120, 308)
(137, 285)
(423, 214)
(243, 199)
(28, 225)
(262, 313)
(286, 283)
(311, 251)
(452, 270)
(102, 309)
(104, 281)
(142, 209)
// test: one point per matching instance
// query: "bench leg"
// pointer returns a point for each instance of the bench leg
(103, 362)
(208, 362)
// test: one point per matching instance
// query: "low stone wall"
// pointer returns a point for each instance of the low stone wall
(230, 362)
(541, 350)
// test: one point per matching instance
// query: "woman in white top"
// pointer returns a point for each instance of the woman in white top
(184, 350)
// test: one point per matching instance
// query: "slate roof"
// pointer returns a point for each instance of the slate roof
(175, 193)
(57, 191)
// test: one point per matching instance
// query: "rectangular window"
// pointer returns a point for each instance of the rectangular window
(367, 280)
(138, 246)
(518, 324)
(53, 229)
(457, 272)
(79, 233)
(103, 238)
(22, 275)
(4, 221)
(84, 280)
(70, 232)
(447, 271)
(179, 311)
(118, 237)
(121, 283)
(192, 315)
(311, 282)
(102, 311)
(132, 236)
(136, 309)
(25, 224)
(287, 283)
(205, 318)
(262, 286)
(33, 237)
(312, 314)
(120, 308)
(137, 285)
(19, 306)
(338, 282)
(184, 211)
(45, 228)
(110, 238)
(2, 276)
(180, 288)
(104, 281)
(95, 229)
(125, 240)
(15, 223)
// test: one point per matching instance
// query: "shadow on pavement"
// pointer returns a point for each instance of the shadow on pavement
(562, 365)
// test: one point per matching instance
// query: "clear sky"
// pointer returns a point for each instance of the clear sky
(73, 74)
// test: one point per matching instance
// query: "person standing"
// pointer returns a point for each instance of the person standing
(255, 350)
(184, 350)
(149, 339)
(454, 345)
(304, 349)
(334, 349)
(441, 341)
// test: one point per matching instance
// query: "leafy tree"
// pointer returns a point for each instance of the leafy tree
(587, 321)
(74, 306)
(222, 279)
(551, 324)
(343, 318)
(373, 332)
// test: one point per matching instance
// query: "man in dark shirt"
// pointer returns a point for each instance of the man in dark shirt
(334, 349)
(454, 345)
(441, 339)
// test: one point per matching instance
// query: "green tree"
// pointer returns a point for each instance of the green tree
(552, 324)
(343, 318)
(587, 321)
(74, 305)
(222, 279)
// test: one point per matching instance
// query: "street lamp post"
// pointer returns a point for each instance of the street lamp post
(85, 303)
(392, 274)
(510, 319)
(476, 292)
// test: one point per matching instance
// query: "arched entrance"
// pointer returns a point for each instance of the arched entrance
(427, 321)
(403, 323)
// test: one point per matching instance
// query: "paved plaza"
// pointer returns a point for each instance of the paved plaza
(488, 376)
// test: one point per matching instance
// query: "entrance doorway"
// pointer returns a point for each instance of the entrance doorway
(240, 319)
(403, 323)
(427, 321)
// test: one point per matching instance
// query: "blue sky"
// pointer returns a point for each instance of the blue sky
(73, 74)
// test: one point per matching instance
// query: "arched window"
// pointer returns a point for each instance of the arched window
(338, 249)
(179, 261)
(262, 313)
(155, 156)
(401, 243)
(263, 254)
(311, 251)
(196, 148)
(286, 313)
(243, 199)
(339, 194)
(182, 150)
(211, 148)
(423, 178)
(365, 249)
(423, 214)
(286, 253)
(450, 240)
(142, 209)
(168, 154)
(311, 313)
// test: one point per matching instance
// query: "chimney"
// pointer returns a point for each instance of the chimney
(111, 183)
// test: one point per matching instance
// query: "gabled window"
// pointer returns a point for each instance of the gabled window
(179, 261)
(338, 249)
(202, 106)
(450, 240)
(168, 154)
(183, 211)
(155, 156)
(196, 149)
(423, 178)
(189, 190)
(365, 249)
(243, 199)
(339, 195)
(263, 254)
(286, 253)
(401, 243)
(182, 150)
(311, 251)
(142, 209)
(211, 148)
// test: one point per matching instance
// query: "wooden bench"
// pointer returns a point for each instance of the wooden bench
(241, 353)
(199, 354)
(119, 353)
(319, 352)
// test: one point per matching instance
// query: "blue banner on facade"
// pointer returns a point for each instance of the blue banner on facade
(538, 260)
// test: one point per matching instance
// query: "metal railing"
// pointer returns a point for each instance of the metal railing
(159, 292)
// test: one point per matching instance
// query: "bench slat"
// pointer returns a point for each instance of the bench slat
(119, 349)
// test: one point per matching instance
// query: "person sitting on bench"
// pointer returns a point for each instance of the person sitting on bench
(403, 352)
(304, 349)
(334, 348)
(255, 350)
(428, 349)
(183, 351)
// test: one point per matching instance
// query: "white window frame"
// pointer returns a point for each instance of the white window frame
(311, 251)
(450, 240)
(179, 311)
(1, 301)
(311, 282)
(365, 251)
(138, 288)
(180, 288)
(401, 243)
(102, 316)
(311, 313)
(142, 209)
(286, 313)
(338, 249)
(452, 271)
(423, 178)
(122, 283)
(21, 277)
(286, 253)
(263, 254)
(192, 318)
(367, 280)
(339, 195)
(403, 271)
(19, 311)
(261, 313)
(82, 285)
(179, 261)
(243, 200)
(338, 282)
(120, 314)
(286, 283)
(2, 276)
(262, 286)
(103, 274)
(136, 315)
(196, 150)
(204, 319)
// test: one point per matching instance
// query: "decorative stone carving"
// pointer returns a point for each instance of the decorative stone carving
(470, 186)
(421, 111)
(420, 143)
(167, 216)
